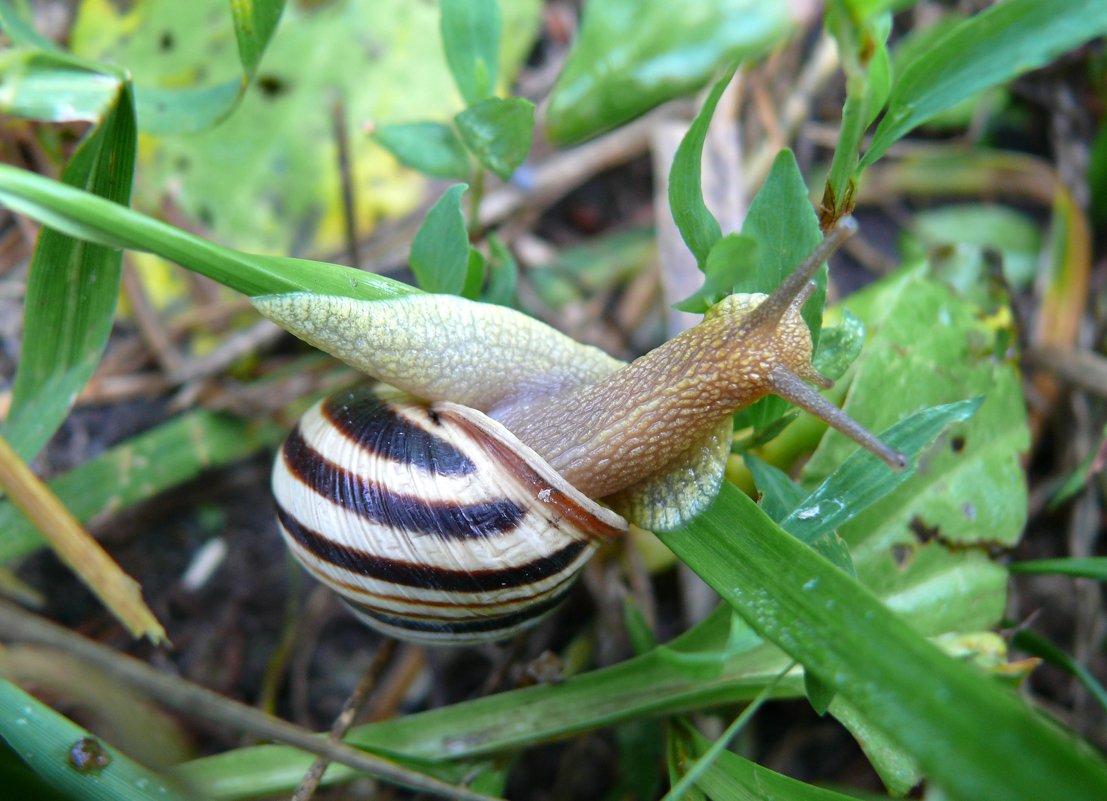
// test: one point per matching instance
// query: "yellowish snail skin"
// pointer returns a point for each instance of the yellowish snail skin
(457, 503)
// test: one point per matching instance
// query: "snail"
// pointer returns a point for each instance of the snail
(456, 501)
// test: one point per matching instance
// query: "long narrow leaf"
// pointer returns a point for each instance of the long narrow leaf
(94, 219)
(984, 51)
(973, 737)
(72, 289)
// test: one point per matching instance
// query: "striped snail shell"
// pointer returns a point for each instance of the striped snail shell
(456, 502)
(433, 521)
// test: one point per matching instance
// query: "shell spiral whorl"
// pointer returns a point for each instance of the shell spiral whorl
(432, 521)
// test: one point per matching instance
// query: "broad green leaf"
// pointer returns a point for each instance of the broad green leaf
(929, 347)
(1093, 567)
(986, 50)
(94, 219)
(432, 148)
(697, 225)
(984, 225)
(72, 290)
(731, 257)
(498, 132)
(605, 262)
(471, 39)
(440, 253)
(631, 56)
(50, 745)
(136, 470)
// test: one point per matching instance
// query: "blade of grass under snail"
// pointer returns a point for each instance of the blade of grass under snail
(137, 469)
(85, 216)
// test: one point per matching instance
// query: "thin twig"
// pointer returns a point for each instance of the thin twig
(150, 325)
(194, 701)
(346, 717)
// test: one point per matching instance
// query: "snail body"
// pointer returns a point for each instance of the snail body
(457, 501)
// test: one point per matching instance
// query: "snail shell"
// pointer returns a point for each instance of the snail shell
(433, 521)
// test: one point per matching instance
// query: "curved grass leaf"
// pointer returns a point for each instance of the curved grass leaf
(1039, 646)
(1092, 567)
(698, 226)
(971, 736)
(471, 38)
(51, 746)
(72, 289)
(732, 777)
(986, 50)
(94, 219)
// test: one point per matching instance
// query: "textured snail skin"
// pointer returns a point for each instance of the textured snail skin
(433, 522)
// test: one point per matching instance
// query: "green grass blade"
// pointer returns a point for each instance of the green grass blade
(138, 469)
(971, 736)
(1093, 567)
(72, 290)
(44, 740)
(84, 216)
(1040, 646)
(737, 779)
(984, 51)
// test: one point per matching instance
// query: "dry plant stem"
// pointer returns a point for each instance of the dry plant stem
(76, 547)
(1083, 369)
(820, 67)
(345, 170)
(346, 717)
(150, 325)
(233, 348)
(190, 700)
